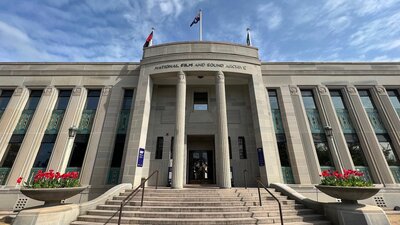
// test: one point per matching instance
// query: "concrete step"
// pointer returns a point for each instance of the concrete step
(200, 208)
(180, 215)
(321, 222)
(157, 203)
(168, 221)
(295, 218)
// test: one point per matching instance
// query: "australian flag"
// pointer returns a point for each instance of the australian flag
(196, 19)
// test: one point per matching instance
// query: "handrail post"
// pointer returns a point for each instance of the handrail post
(280, 212)
(259, 194)
(157, 179)
(120, 212)
(245, 179)
(141, 202)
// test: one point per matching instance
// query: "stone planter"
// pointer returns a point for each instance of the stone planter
(348, 194)
(51, 196)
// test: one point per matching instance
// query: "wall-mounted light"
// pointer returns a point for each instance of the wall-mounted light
(72, 131)
(328, 131)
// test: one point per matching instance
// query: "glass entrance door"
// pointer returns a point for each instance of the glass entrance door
(200, 167)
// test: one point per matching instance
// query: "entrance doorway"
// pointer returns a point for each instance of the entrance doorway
(200, 168)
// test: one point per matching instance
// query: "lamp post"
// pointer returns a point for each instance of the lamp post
(329, 133)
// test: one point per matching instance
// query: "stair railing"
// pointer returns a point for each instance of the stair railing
(245, 178)
(259, 183)
(131, 195)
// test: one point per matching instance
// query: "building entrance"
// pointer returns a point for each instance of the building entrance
(200, 167)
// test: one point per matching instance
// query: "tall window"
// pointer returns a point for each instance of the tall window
(159, 147)
(394, 98)
(242, 148)
(349, 132)
(280, 137)
(119, 145)
(85, 126)
(381, 133)
(5, 96)
(230, 147)
(317, 130)
(171, 154)
(19, 133)
(200, 101)
(49, 138)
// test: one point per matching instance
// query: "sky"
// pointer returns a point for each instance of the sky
(115, 30)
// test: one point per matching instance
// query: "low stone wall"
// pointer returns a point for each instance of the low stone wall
(64, 214)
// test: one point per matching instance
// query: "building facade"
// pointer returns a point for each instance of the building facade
(200, 113)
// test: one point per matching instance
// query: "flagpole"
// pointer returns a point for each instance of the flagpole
(201, 25)
(151, 41)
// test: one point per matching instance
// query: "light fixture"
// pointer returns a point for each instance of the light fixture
(328, 131)
(72, 131)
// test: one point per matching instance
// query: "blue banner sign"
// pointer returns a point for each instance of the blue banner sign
(260, 154)
(140, 157)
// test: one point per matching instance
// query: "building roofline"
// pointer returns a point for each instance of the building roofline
(202, 42)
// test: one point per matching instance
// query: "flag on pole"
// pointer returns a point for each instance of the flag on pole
(248, 38)
(149, 40)
(196, 19)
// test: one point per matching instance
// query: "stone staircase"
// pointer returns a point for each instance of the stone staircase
(202, 206)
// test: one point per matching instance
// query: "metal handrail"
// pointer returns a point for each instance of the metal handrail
(245, 178)
(259, 197)
(131, 195)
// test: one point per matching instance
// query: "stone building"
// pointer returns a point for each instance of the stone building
(200, 113)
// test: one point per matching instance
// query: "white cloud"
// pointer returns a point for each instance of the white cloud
(269, 15)
(381, 34)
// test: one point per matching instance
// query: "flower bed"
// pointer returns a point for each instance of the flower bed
(52, 180)
(349, 178)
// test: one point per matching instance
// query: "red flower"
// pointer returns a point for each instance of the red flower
(19, 180)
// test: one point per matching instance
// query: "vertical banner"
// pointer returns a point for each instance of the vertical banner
(140, 157)
(260, 154)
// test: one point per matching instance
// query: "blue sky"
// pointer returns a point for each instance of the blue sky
(283, 30)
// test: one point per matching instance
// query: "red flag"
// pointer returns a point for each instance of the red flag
(148, 40)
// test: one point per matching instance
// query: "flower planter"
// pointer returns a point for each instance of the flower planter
(51, 196)
(348, 194)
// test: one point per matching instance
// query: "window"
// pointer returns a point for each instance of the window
(12, 150)
(5, 96)
(63, 99)
(171, 156)
(44, 153)
(366, 99)
(127, 101)
(159, 147)
(230, 147)
(78, 150)
(242, 148)
(394, 98)
(33, 100)
(323, 153)
(308, 99)
(200, 101)
(92, 99)
(118, 150)
(387, 149)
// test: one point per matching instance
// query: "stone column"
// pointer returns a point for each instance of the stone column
(72, 116)
(222, 145)
(108, 137)
(314, 168)
(264, 131)
(11, 115)
(137, 135)
(380, 170)
(33, 138)
(179, 143)
(388, 115)
(95, 134)
(293, 137)
(337, 143)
